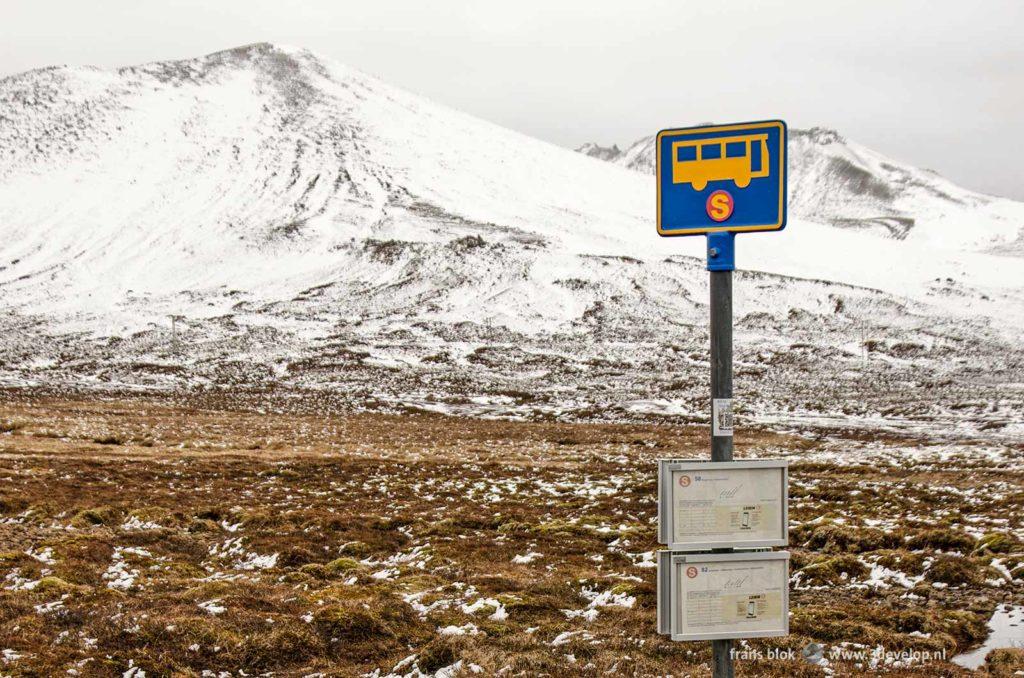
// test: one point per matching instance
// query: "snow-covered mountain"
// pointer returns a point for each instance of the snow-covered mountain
(843, 183)
(311, 227)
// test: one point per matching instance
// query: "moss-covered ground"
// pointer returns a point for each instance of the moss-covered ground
(142, 534)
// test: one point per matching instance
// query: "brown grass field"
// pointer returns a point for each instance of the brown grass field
(183, 538)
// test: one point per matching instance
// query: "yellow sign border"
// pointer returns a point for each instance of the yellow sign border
(745, 126)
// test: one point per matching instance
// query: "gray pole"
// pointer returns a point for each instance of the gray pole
(721, 355)
(721, 387)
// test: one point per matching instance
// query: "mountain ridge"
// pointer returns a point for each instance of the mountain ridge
(314, 228)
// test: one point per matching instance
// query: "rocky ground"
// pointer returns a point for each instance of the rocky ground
(809, 356)
(200, 535)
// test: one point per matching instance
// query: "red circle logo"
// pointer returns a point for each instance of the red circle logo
(720, 205)
(691, 572)
(684, 481)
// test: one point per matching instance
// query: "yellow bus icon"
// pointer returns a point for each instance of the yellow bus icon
(719, 159)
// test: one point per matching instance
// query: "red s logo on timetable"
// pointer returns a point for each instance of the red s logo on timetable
(684, 481)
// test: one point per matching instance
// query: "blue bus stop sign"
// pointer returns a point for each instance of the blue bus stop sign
(722, 179)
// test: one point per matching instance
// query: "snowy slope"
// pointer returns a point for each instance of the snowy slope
(316, 228)
(839, 182)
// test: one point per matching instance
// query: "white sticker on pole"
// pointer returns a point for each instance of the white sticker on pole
(721, 416)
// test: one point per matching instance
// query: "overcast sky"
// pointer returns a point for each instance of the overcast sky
(939, 84)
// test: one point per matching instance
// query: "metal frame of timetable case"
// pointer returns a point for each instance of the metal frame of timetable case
(665, 494)
(664, 585)
(669, 566)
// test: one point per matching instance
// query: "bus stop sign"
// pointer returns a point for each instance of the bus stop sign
(722, 178)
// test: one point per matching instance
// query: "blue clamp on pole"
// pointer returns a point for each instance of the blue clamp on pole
(721, 251)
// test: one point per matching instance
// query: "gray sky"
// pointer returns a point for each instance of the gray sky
(939, 83)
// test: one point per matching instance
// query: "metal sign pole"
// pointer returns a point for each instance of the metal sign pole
(721, 262)
(718, 180)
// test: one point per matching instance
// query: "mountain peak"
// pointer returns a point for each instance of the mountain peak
(265, 56)
(823, 136)
(258, 50)
(609, 153)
